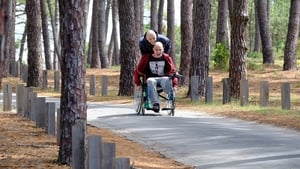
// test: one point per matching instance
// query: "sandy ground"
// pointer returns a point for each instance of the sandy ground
(22, 145)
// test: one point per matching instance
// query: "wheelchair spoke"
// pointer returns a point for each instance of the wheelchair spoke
(138, 102)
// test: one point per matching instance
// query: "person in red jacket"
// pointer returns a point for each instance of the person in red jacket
(156, 68)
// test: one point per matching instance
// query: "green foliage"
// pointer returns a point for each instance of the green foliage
(279, 16)
(254, 55)
(220, 56)
(254, 64)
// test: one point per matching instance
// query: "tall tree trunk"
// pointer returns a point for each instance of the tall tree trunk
(153, 15)
(3, 8)
(34, 57)
(171, 27)
(23, 40)
(222, 22)
(129, 47)
(137, 17)
(95, 58)
(265, 35)
(73, 96)
(201, 41)
(238, 54)
(10, 35)
(186, 40)
(160, 17)
(45, 35)
(107, 11)
(110, 50)
(257, 40)
(102, 35)
(290, 51)
(54, 33)
(115, 31)
(142, 15)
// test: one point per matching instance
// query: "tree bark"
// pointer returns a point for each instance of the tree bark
(102, 35)
(3, 8)
(153, 15)
(201, 42)
(265, 35)
(73, 96)
(290, 51)
(222, 22)
(160, 17)
(238, 54)
(95, 58)
(186, 40)
(171, 27)
(257, 40)
(54, 34)
(129, 47)
(34, 57)
(23, 40)
(45, 35)
(10, 36)
(115, 31)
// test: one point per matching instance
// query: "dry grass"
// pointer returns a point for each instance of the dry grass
(24, 146)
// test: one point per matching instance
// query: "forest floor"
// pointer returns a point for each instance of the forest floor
(22, 145)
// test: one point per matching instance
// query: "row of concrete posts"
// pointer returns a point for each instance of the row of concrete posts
(87, 151)
(244, 92)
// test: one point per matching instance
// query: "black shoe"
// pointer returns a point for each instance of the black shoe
(156, 107)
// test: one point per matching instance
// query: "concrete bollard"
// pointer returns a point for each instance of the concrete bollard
(92, 85)
(33, 105)
(20, 101)
(40, 112)
(78, 144)
(50, 119)
(209, 90)
(28, 90)
(286, 96)
(226, 91)
(195, 88)
(56, 81)
(94, 152)
(244, 92)
(24, 73)
(264, 93)
(45, 80)
(7, 97)
(109, 153)
(122, 163)
(58, 115)
(104, 85)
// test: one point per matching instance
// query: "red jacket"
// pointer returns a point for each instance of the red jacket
(143, 63)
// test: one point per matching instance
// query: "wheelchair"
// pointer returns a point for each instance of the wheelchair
(142, 102)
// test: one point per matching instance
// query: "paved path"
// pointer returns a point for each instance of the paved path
(202, 140)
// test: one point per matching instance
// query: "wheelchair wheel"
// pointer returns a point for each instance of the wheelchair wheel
(139, 102)
(170, 106)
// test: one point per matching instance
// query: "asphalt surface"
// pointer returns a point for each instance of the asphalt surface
(201, 140)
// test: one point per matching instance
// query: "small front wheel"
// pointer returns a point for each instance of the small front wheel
(138, 101)
(170, 106)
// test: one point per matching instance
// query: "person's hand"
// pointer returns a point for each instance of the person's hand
(137, 87)
(175, 88)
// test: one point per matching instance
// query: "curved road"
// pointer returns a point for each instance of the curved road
(201, 140)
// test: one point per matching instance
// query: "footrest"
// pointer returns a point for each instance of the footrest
(167, 109)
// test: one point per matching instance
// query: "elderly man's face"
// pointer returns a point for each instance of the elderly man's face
(157, 50)
(151, 38)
